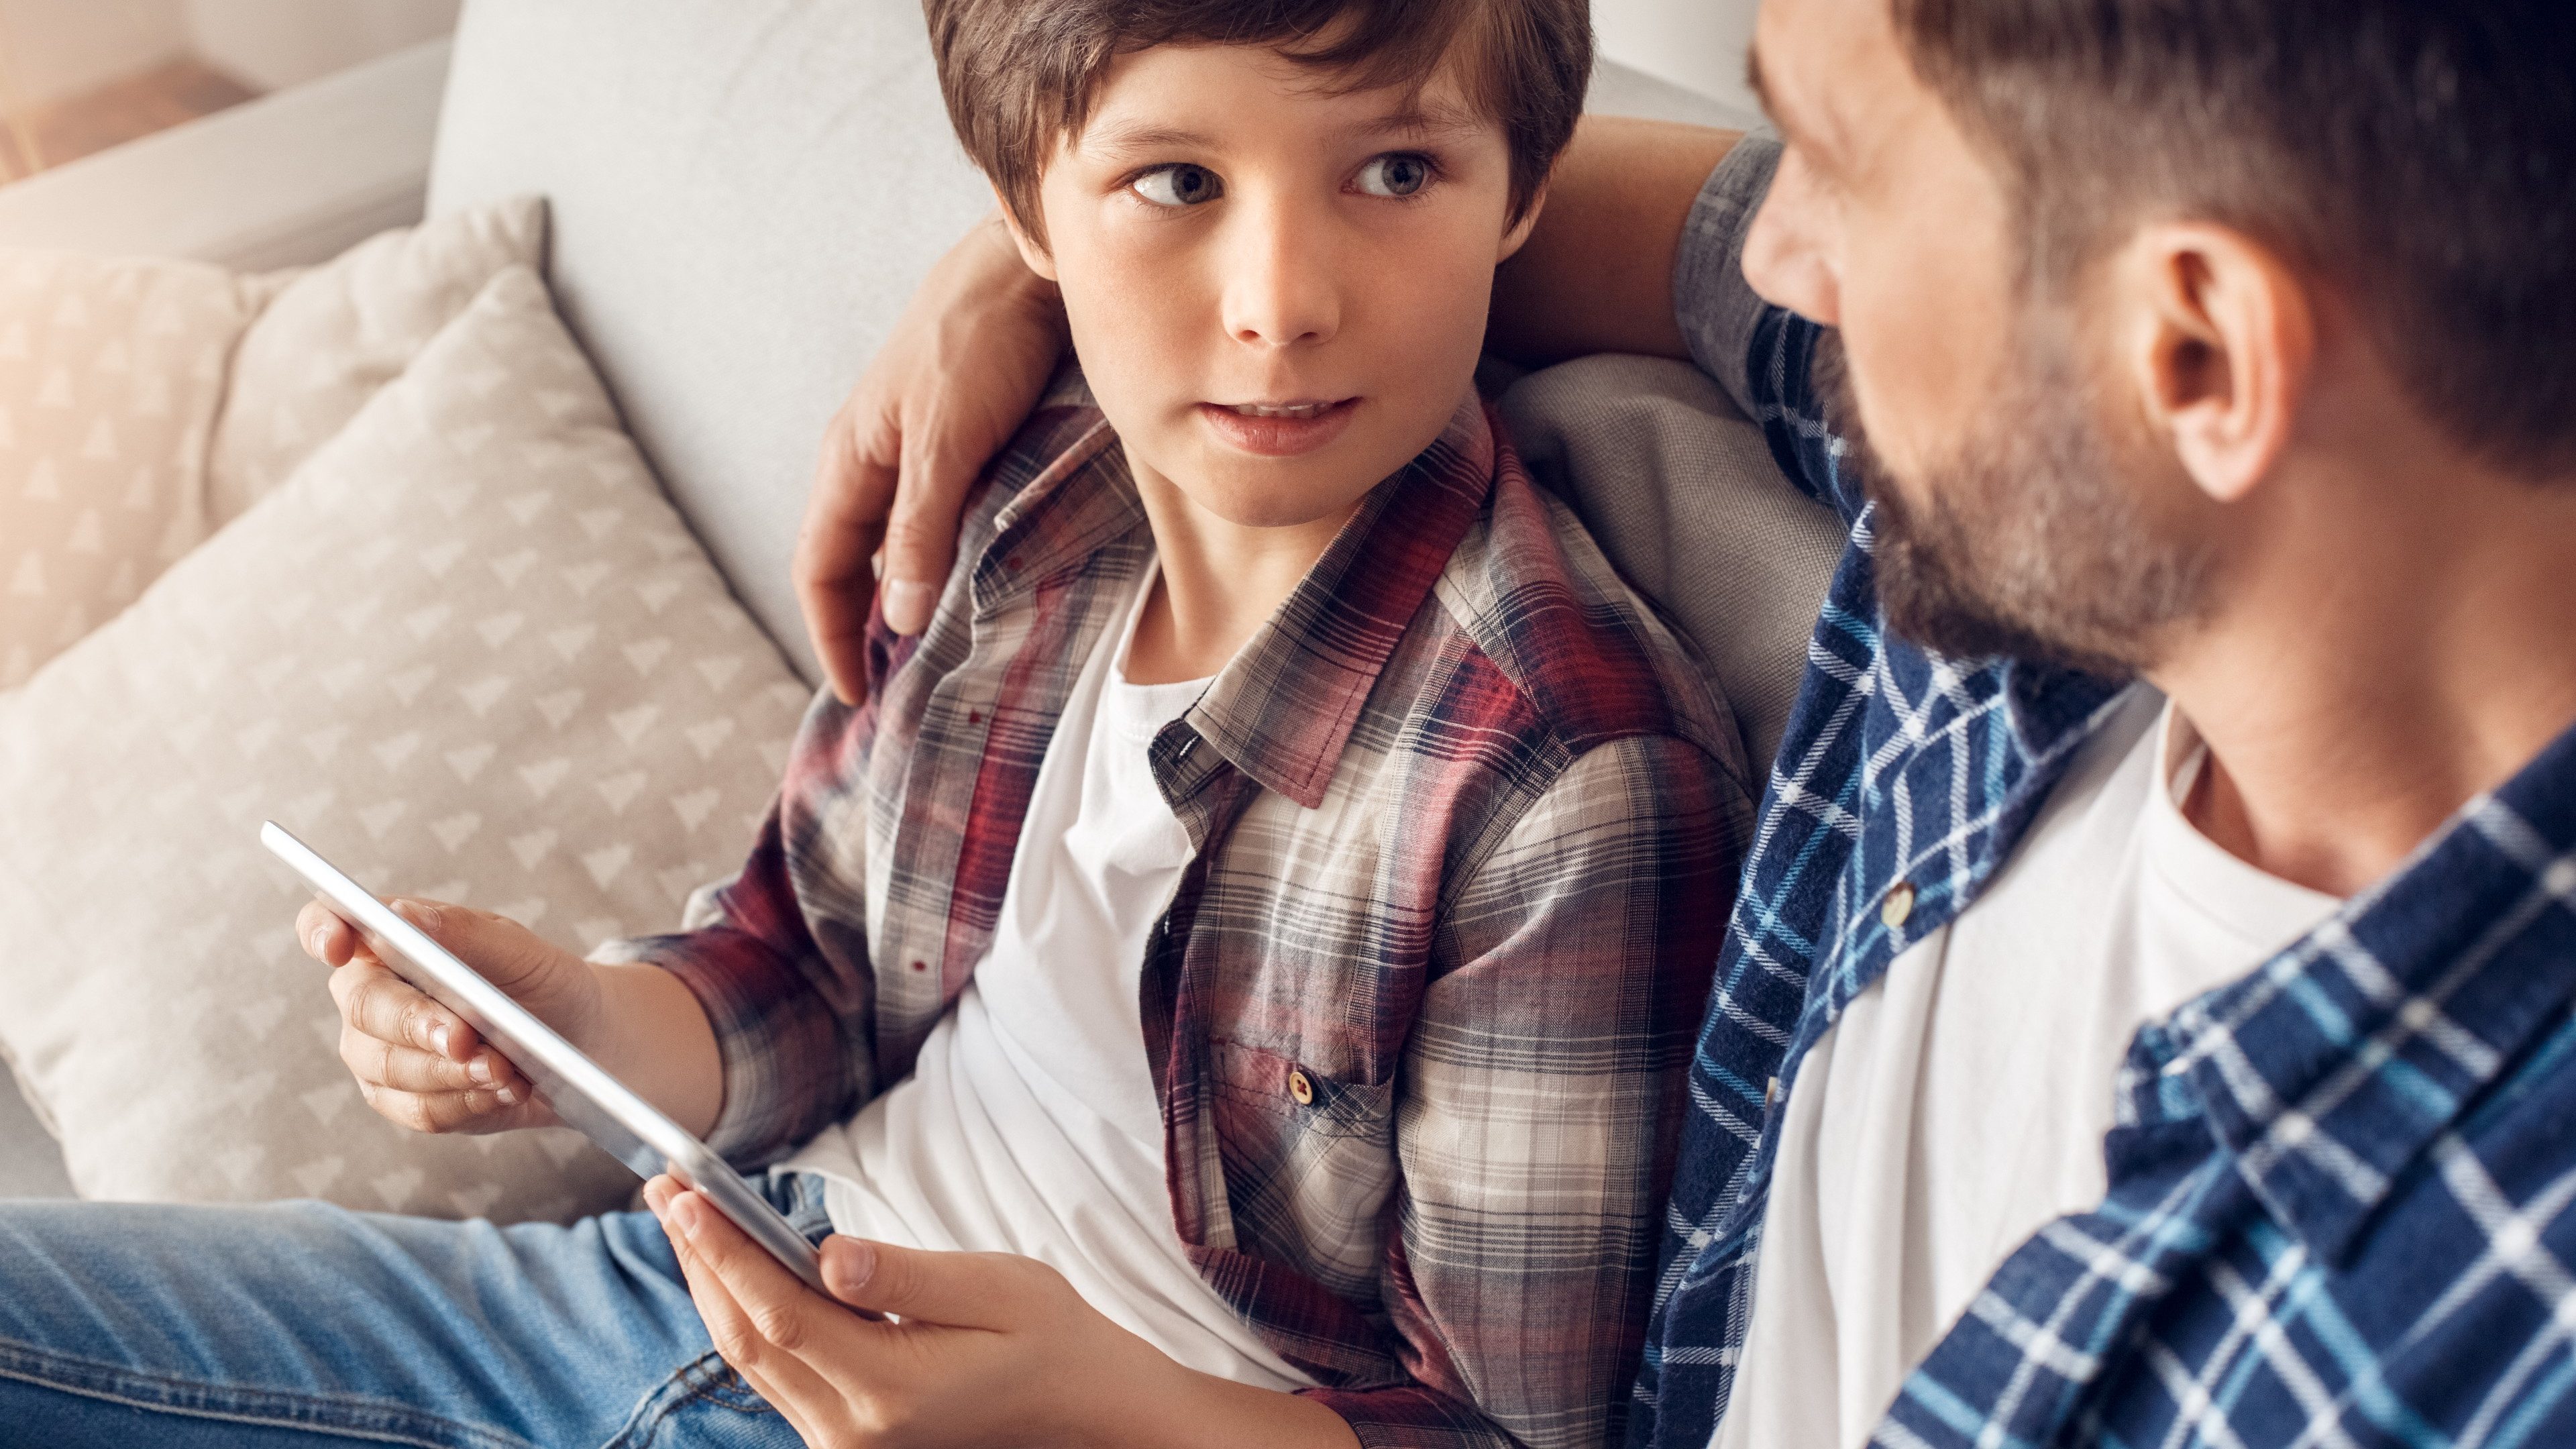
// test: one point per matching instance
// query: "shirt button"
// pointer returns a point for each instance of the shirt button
(974, 716)
(1301, 1087)
(920, 965)
(1898, 905)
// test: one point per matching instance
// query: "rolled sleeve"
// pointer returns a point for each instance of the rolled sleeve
(1716, 307)
(752, 963)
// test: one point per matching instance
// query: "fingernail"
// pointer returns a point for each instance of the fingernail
(907, 605)
(480, 1069)
(509, 1096)
(848, 1263)
(687, 1214)
(422, 913)
(319, 936)
(438, 1039)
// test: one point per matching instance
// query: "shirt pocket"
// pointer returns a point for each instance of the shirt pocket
(1308, 1172)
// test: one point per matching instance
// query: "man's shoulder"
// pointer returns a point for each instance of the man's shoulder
(1595, 662)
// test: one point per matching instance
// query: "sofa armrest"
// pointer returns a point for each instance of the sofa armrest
(290, 178)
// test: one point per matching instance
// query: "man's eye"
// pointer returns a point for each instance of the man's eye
(1395, 176)
(1178, 186)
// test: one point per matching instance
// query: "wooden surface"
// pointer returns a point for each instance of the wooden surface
(113, 114)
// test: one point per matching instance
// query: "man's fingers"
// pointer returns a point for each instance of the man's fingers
(921, 530)
(844, 520)
(959, 1290)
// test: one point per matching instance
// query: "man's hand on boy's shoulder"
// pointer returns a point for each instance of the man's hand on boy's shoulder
(974, 350)
(968, 359)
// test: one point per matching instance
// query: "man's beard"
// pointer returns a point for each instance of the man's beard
(2033, 544)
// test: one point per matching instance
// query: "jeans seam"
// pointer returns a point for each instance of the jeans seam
(348, 1415)
(706, 1378)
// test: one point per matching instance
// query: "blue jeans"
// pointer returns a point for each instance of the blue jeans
(304, 1325)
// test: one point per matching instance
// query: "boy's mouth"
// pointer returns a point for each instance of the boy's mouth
(1279, 429)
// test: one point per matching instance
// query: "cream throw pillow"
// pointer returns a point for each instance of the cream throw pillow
(145, 403)
(336, 334)
(111, 373)
(468, 652)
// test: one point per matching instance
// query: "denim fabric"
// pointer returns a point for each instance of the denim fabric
(305, 1324)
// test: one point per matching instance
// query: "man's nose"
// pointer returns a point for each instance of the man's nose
(1280, 278)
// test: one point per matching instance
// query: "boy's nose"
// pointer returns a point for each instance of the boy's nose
(1279, 283)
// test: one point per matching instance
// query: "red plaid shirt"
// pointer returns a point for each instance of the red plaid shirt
(1468, 824)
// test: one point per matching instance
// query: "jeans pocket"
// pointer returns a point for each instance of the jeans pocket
(706, 1405)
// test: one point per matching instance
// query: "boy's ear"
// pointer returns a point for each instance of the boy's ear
(1034, 255)
(1518, 234)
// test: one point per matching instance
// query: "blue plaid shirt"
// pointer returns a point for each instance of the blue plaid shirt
(2342, 1205)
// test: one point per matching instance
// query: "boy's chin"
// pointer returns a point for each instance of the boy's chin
(1270, 492)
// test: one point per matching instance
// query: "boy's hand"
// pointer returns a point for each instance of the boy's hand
(990, 1349)
(970, 356)
(417, 1063)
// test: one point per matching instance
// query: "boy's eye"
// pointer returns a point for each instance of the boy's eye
(1395, 176)
(1182, 185)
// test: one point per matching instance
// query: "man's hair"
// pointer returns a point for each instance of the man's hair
(1021, 75)
(2419, 155)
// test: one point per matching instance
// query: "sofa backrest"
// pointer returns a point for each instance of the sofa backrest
(744, 193)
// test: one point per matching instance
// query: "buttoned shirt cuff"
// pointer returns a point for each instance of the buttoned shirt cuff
(1716, 307)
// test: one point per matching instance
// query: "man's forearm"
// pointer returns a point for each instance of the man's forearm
(1597, 272)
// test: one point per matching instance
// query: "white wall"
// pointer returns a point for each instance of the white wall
(1696, 43)
(271, 44)
(50, 49)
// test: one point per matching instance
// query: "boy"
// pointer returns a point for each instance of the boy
(1276, 892)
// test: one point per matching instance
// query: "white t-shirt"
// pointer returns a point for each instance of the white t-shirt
(1029, 1124)
(1959, 1105)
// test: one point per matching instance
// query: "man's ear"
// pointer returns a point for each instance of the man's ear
(2221, 345)
(1517, 235)
(1032, 251)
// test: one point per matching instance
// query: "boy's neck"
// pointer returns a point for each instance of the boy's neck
(1221, 581)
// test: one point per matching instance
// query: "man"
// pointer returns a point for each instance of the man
(2146, 1018)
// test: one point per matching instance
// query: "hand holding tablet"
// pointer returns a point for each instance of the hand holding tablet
(563, 1083)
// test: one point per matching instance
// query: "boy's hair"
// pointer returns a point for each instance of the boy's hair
(1021, 75)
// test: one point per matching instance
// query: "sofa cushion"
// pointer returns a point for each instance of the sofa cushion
(1681, 493)
(144, 402)
(745, 193)
(111, 373)
(467, 651)
(328, 338)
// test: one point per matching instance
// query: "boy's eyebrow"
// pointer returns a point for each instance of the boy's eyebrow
(1416, 120)
(1420, 120)
(1141, 138)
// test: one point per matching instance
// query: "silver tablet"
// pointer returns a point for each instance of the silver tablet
(581, 1092)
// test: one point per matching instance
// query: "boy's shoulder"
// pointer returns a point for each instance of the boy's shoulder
(1595, 659)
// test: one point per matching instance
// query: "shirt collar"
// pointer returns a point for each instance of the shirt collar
(2329, 1070)
(1283, 708)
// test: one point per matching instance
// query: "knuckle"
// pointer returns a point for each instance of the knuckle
(780, 1324)
(735, 1342)
(413, 1021)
